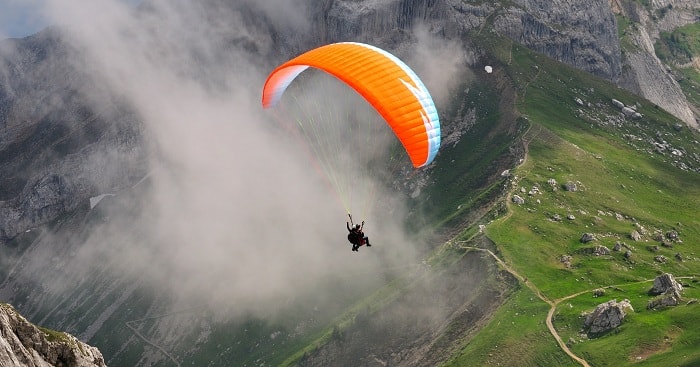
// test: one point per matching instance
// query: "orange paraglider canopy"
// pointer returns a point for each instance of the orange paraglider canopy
(388, 84)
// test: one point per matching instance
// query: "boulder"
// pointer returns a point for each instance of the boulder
(566, 260)
(665, 282)
(606, 317)
(635, 236)
(518, 200)
(571, 186)
(596, 250)
(668, 291)
(666, 300)
(587, 237)
(672, 235)
(628, 111)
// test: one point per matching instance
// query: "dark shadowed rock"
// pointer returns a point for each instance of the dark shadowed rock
(587, 237)
(665, 300)
(672, 235)
(618, 246)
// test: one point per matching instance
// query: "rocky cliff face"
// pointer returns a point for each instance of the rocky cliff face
(580, 33)
(644, 73)
(62, 138)
(25, 345)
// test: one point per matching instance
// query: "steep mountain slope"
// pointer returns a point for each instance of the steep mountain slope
(68, 220)
(645, 74)
(629, 176)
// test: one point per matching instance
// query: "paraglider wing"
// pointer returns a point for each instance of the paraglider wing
(388, 84)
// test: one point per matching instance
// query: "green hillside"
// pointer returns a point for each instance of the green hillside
(631, 175)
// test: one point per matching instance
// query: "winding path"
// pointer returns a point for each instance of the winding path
(552, 303)
(151, 343)
(130, 325)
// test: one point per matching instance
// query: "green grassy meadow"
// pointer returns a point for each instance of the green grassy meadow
(623, 184)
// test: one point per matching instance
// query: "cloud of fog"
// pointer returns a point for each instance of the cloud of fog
(440, 63)
(236, 215)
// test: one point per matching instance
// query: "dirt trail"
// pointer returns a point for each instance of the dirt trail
(527, 137)
(552, 303)
(151, 343)
(132, 326)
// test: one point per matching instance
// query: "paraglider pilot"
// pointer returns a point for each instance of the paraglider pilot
(356, 236)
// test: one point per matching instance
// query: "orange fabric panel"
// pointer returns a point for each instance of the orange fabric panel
(374, 76)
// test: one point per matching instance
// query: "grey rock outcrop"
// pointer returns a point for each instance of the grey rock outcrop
(665, 283)
(518, 200)
(571, 186)
(596, 250)
(587, 237)
(566, 260)
(666, 300)
(22, 344)
(49, 121)
(581, 33)
(643, 72)
(606, 317)
(578, 33)
(667, 290)
(635, 235)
